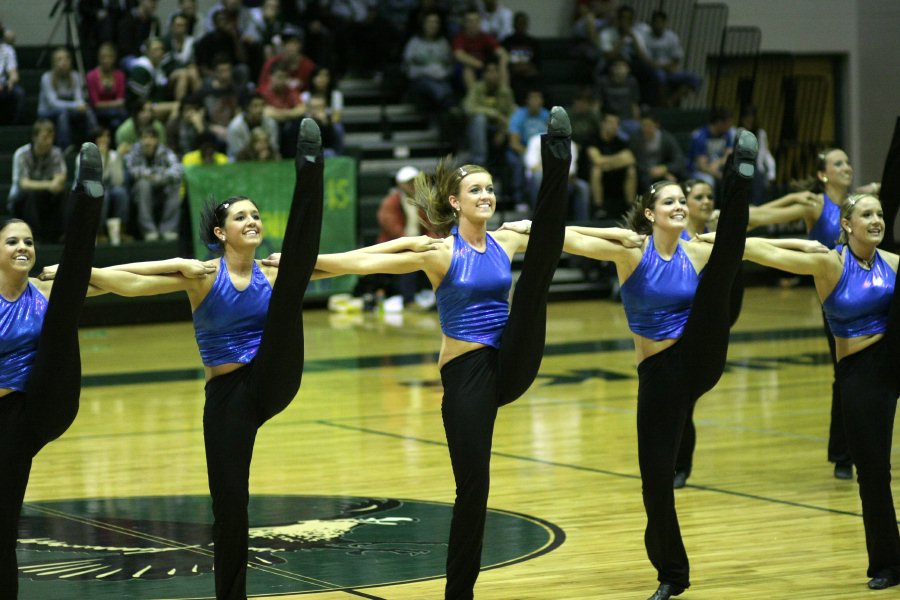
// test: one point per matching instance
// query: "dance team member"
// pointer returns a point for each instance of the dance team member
(40, 362)
(491, 348)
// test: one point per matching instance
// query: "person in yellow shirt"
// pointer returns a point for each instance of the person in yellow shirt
(206, 154)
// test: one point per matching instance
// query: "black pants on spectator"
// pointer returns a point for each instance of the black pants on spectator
(238, 403)
(869, 385)
(44, 212)
(671, 381)
(31, 419)
(478, 382)
(684, 461)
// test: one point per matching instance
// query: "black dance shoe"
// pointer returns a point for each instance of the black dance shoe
(309, 141)
(681, 479)
(666, 591)
(843, 470)
(89, 172)
(746, 147)
(559, 132)
(884, 580)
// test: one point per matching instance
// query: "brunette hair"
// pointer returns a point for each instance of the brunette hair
(434, 190)
(635, 219)
(212, 215)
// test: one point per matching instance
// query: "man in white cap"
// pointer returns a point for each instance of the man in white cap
(397, 217)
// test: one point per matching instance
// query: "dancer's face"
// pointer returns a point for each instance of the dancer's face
(18, 248)
(243, 226)
(670, 211)
(700, 202)
(838, 170)
(475, 201)
(866, 222)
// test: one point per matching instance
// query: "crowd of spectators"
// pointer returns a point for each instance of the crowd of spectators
(166, 91)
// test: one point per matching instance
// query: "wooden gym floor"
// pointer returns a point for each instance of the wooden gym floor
(762, 516)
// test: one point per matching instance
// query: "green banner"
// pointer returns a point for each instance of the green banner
(271, 185)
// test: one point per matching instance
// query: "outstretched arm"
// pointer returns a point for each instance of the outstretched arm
(190, 268)
(801, 257)
(792, 207)
(418, 243)
(591, 245)
(366, 263)
(125, 283)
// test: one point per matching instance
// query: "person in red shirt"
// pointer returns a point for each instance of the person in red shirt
(472, 47)
(283, 104)
(299, 66)
(106, 88)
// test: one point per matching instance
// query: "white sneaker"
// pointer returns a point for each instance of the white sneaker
(151, 236)
(170, 236)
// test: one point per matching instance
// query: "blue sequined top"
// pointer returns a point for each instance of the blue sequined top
(827, 229)
(859, 303)
(20, 330)
(473, 298)
(659, 294)
(229, 323)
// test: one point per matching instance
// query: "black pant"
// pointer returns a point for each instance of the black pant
(684, 461)
(31, 419)
(671, 381)
(478, 382)
(838, 450)
(239, 402)
(44, 211)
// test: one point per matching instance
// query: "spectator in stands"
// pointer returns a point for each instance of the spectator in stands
(134, 28)
(417, 15)
(115, 195)
(62, 100)
(579, 192)
(656, 152)
(428, 63)
(323, 85)
(488, 106)
(149, 80)
(283, 104)
(12, 95)
(300, 68)
(207, 153)
(155, 174)
(524, 53)
(710, 147)
(398, 217)
(363, 38)
(397, 13)
(591, 16)
(665, 53)
(141, 116)
(269, 24)
(620, 95)
(240, 20)
(98, 24)
(585, 116)
(621, 41)
(185, 127)
(37, 195)
(472, 48)
(317, 110)
(525, 122)
(318, 40)
(195, 20)
(765, 162)
(223, 98)
(106, 88)
(222, 39)
(609, 165)
(259, 147)
(252, 116)
(496, 19)
(179, 58)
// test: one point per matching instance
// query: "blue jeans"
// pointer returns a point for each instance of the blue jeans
(67, 118)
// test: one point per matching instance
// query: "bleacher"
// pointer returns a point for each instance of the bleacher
(386, 131)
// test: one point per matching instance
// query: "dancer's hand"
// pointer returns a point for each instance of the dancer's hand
(48, 273)
(195, 269)
(709, 238)
(424, 243)
(632, 239)
(523, 226)
(272, 260)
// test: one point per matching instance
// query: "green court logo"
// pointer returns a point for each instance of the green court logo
(161, 546)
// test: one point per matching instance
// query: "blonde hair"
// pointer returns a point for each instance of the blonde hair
(433, 193)
(847, 208)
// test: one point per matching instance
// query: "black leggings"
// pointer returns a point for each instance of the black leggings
(478, 382)
(684, 461)
(239, 402)
(671, 381)
(869, 385)
(31, 419)
(838, 451)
